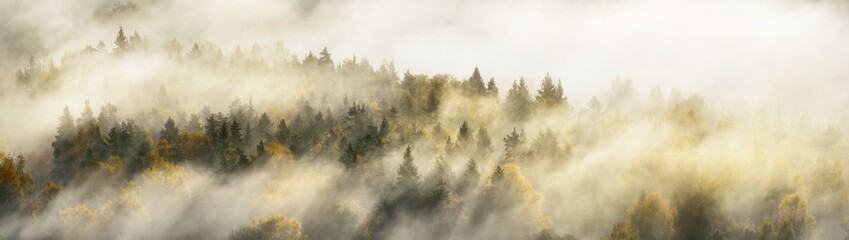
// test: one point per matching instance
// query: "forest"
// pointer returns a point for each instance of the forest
(440, 119)
(357, 151)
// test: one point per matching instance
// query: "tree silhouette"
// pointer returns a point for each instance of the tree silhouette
(518, 104)
(549, 95)
(408, 174)
(475, 85)
(63, 158)
(170, 132)
(121, 41)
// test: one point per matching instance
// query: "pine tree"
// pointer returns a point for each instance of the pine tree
(475, 85)
(310, 61)
(464, 136)
(384, 129)
(471, 176)
(107, 116)
(223, 136)
(484, 142)
(249, 136)
(497, 175)
(408, 174)
(518, 102)
(211, 128)
(121, 40)
(549, 95)
(62, 147)
(261, 152)
(439, 191)
(170, 133)
(137, 164)
(264, 126)
(433, 98)
(349, 157)
(512, 145)
(324, 59)
(282, 134)
(194, 123)
(235, 134)
(87, 116)
(136, 40)
(491, 89)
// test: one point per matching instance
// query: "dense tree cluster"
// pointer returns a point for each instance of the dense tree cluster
(391, 121)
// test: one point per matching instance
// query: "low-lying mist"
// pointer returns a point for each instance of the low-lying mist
(202, 133)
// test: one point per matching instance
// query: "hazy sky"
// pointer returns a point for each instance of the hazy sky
(733, 52)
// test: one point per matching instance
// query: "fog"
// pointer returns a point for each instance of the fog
(675, 120)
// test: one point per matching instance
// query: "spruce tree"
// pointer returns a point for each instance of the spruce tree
(408, 174)
(121, 40)
(464, 136)
(63, 159)
(518, 102)
(549, 95)
(170, 133)
(491, 89)
(475, 85)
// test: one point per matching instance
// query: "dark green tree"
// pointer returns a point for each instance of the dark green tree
(384, 129)
(170, 133)
(408, 174)
(89, 162)
(282, 134)
(349, 156)
(223, 136)
(137, 163)
(235, 134)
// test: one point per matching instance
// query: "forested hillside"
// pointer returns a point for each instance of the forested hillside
(259, 142)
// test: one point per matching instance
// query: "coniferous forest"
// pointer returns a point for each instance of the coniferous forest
(151, 137)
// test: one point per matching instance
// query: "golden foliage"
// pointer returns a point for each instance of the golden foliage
(165, 173)
(194, 144)
(78, 221)
(14, 182)
(273, 227)
(278, 150)
(113, 164)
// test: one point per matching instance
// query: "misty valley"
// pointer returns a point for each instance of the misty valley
(151, 137)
